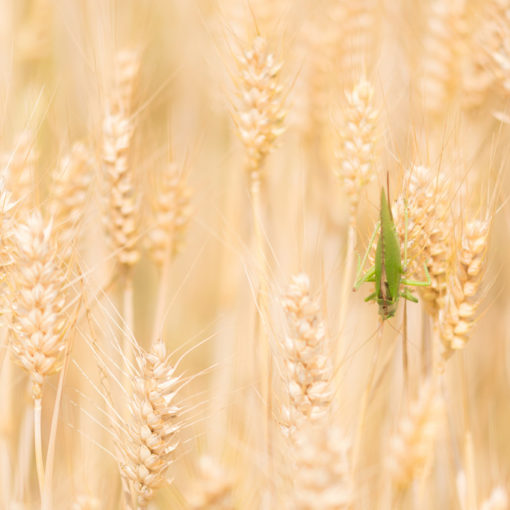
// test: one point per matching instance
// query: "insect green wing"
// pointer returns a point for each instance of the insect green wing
(378, 266)
(390, 249)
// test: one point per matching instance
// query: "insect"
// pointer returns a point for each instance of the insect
(388, 272)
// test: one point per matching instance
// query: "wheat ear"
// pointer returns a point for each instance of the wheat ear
(320, 473)
(258, 109)
(456, 317)
(69, 195)
(307, 367)
(147, 443)
(38, 317)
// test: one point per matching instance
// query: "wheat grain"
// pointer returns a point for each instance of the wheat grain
(307, 368)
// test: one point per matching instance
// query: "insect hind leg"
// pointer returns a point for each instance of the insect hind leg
(365, 278)
(406, 294)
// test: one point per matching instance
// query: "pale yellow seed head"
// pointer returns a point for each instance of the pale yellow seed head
(258, 109)
(38, 316)
(356, 153)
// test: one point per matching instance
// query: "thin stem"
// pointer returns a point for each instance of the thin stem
(24, 456)
(128, 310)
(5, 427)
(346, 285)
(128, 315)
(426, 344)
(364, 402)
(265, 360)
(163, 291)
(235, 374)
(405, 360)
(469, 457)
(50, 453)
(38, 444)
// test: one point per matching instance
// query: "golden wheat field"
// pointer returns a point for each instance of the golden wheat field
(254, 254)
